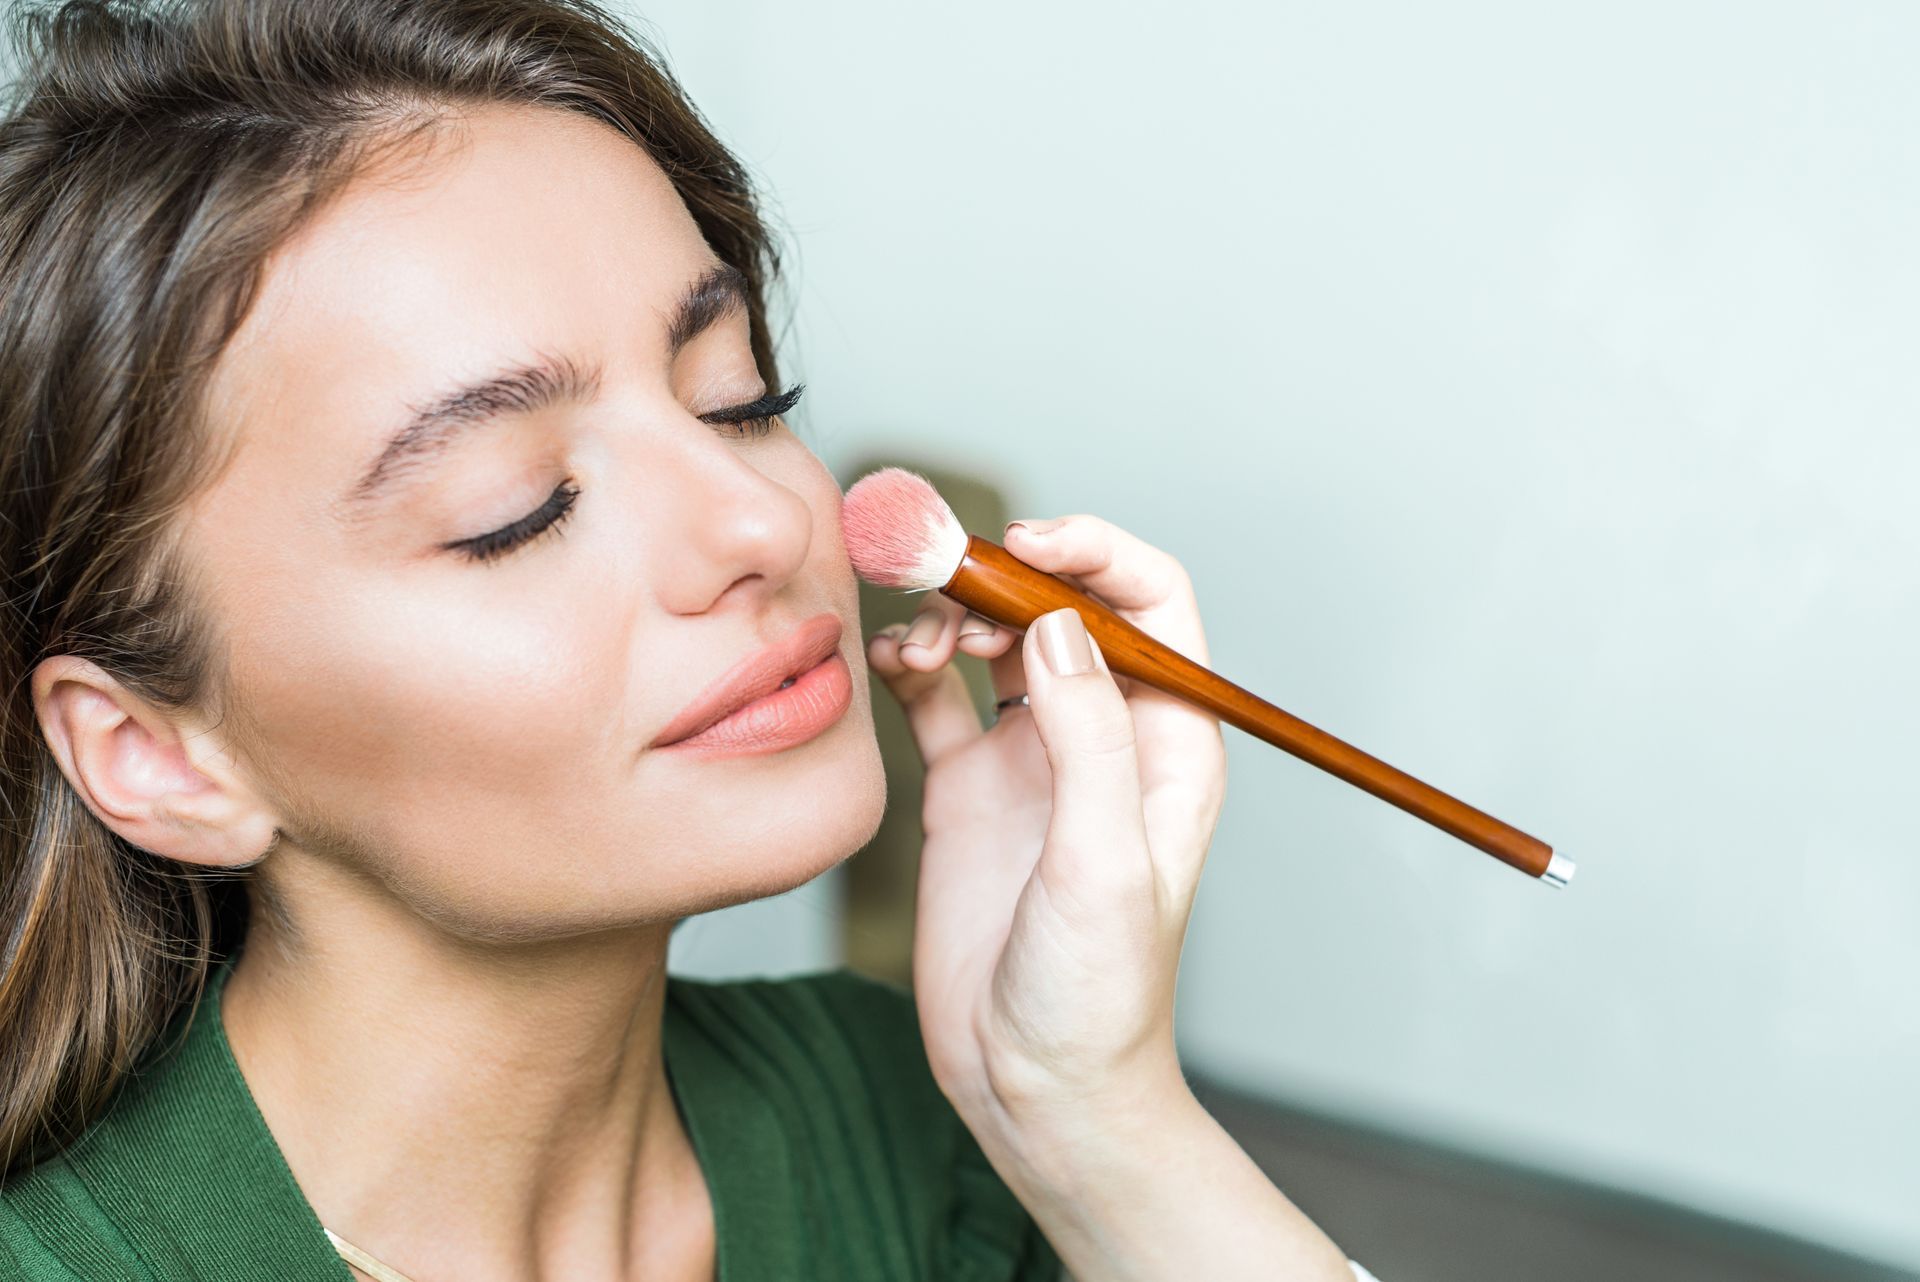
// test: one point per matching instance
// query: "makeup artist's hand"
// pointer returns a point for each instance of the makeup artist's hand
(1063, 848)
(1064, 843)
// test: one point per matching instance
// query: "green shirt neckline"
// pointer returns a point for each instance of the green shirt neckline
(220, 1208)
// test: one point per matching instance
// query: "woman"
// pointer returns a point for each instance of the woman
(393, 458)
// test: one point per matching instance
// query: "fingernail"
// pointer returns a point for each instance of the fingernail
(1035, 528)
(926, 628)
(1063, 643)
(975, 626)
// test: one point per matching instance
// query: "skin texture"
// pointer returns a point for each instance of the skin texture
(450, 1016)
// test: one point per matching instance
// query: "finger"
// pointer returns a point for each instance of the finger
(1180, 744)
(1008, 670)
(983, 638)
(1146, 585)
(928, 643)
(1017, 679)
(1095, 853)
(938, 706)
(999, 645)
(1009, 684)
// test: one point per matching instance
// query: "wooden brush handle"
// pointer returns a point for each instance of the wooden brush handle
(992, 582)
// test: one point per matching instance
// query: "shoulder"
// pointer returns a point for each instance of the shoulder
(44, 1213)
(178, 1178)
(842, 1057)
(59, 1220)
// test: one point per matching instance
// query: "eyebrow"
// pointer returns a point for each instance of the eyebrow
(434, 425)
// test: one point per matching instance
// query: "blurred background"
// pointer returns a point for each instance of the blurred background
(1530, 391)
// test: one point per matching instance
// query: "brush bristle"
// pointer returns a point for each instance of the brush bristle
(899, 532)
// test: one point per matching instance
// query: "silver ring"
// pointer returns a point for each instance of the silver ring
(1018, 700)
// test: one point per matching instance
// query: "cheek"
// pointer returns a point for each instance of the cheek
(828, 554)
(385, 699)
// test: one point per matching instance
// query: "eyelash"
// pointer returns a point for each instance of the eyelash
(757, 415)
(548, 516)
(753, 419)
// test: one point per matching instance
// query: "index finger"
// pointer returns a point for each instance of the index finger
(1144, 584)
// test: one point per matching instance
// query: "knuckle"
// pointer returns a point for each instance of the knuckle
(1168, 568)
(1086, 536)
(1157, 565)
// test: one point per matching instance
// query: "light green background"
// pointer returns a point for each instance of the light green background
(1531, 391)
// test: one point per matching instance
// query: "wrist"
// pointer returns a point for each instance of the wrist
(1144, 1185)
(1042, 1090)
(1060, 1138)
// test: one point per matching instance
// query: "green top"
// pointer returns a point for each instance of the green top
(828, 1150)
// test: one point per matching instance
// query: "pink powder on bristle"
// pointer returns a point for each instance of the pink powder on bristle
(895, 525)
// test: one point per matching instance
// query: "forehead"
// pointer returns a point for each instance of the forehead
(513, 227)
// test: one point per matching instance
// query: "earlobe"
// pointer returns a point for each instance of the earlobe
(163, 783)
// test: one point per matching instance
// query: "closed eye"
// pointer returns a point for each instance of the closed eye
(547, 516)
(755, 418)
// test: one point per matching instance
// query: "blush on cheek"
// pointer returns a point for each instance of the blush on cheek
(378, 701)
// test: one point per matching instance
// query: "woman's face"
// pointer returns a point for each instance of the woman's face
(471, 735)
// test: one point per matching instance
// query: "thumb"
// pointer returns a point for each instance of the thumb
(1096, 838)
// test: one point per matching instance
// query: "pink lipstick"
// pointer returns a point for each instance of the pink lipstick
(773, 699)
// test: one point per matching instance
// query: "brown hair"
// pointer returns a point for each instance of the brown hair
(151, 156)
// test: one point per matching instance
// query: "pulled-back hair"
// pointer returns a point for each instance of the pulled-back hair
(152, 155)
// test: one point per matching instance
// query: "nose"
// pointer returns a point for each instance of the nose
(737, 531)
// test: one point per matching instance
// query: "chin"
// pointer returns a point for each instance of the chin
(838, 822)
(787, 846)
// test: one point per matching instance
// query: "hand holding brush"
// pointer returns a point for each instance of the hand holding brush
(901, 534)
(1062, 848)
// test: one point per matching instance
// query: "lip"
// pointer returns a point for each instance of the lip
(757, 675)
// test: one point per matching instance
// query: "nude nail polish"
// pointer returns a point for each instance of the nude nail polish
(1064, 644)
(925, 630)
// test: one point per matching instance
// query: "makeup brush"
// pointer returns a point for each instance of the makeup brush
(901, 534)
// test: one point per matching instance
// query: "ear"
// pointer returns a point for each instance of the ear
(165, 784)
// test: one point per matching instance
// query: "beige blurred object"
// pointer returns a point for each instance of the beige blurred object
(877, 921)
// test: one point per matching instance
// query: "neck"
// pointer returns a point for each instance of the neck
(473, 1112)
